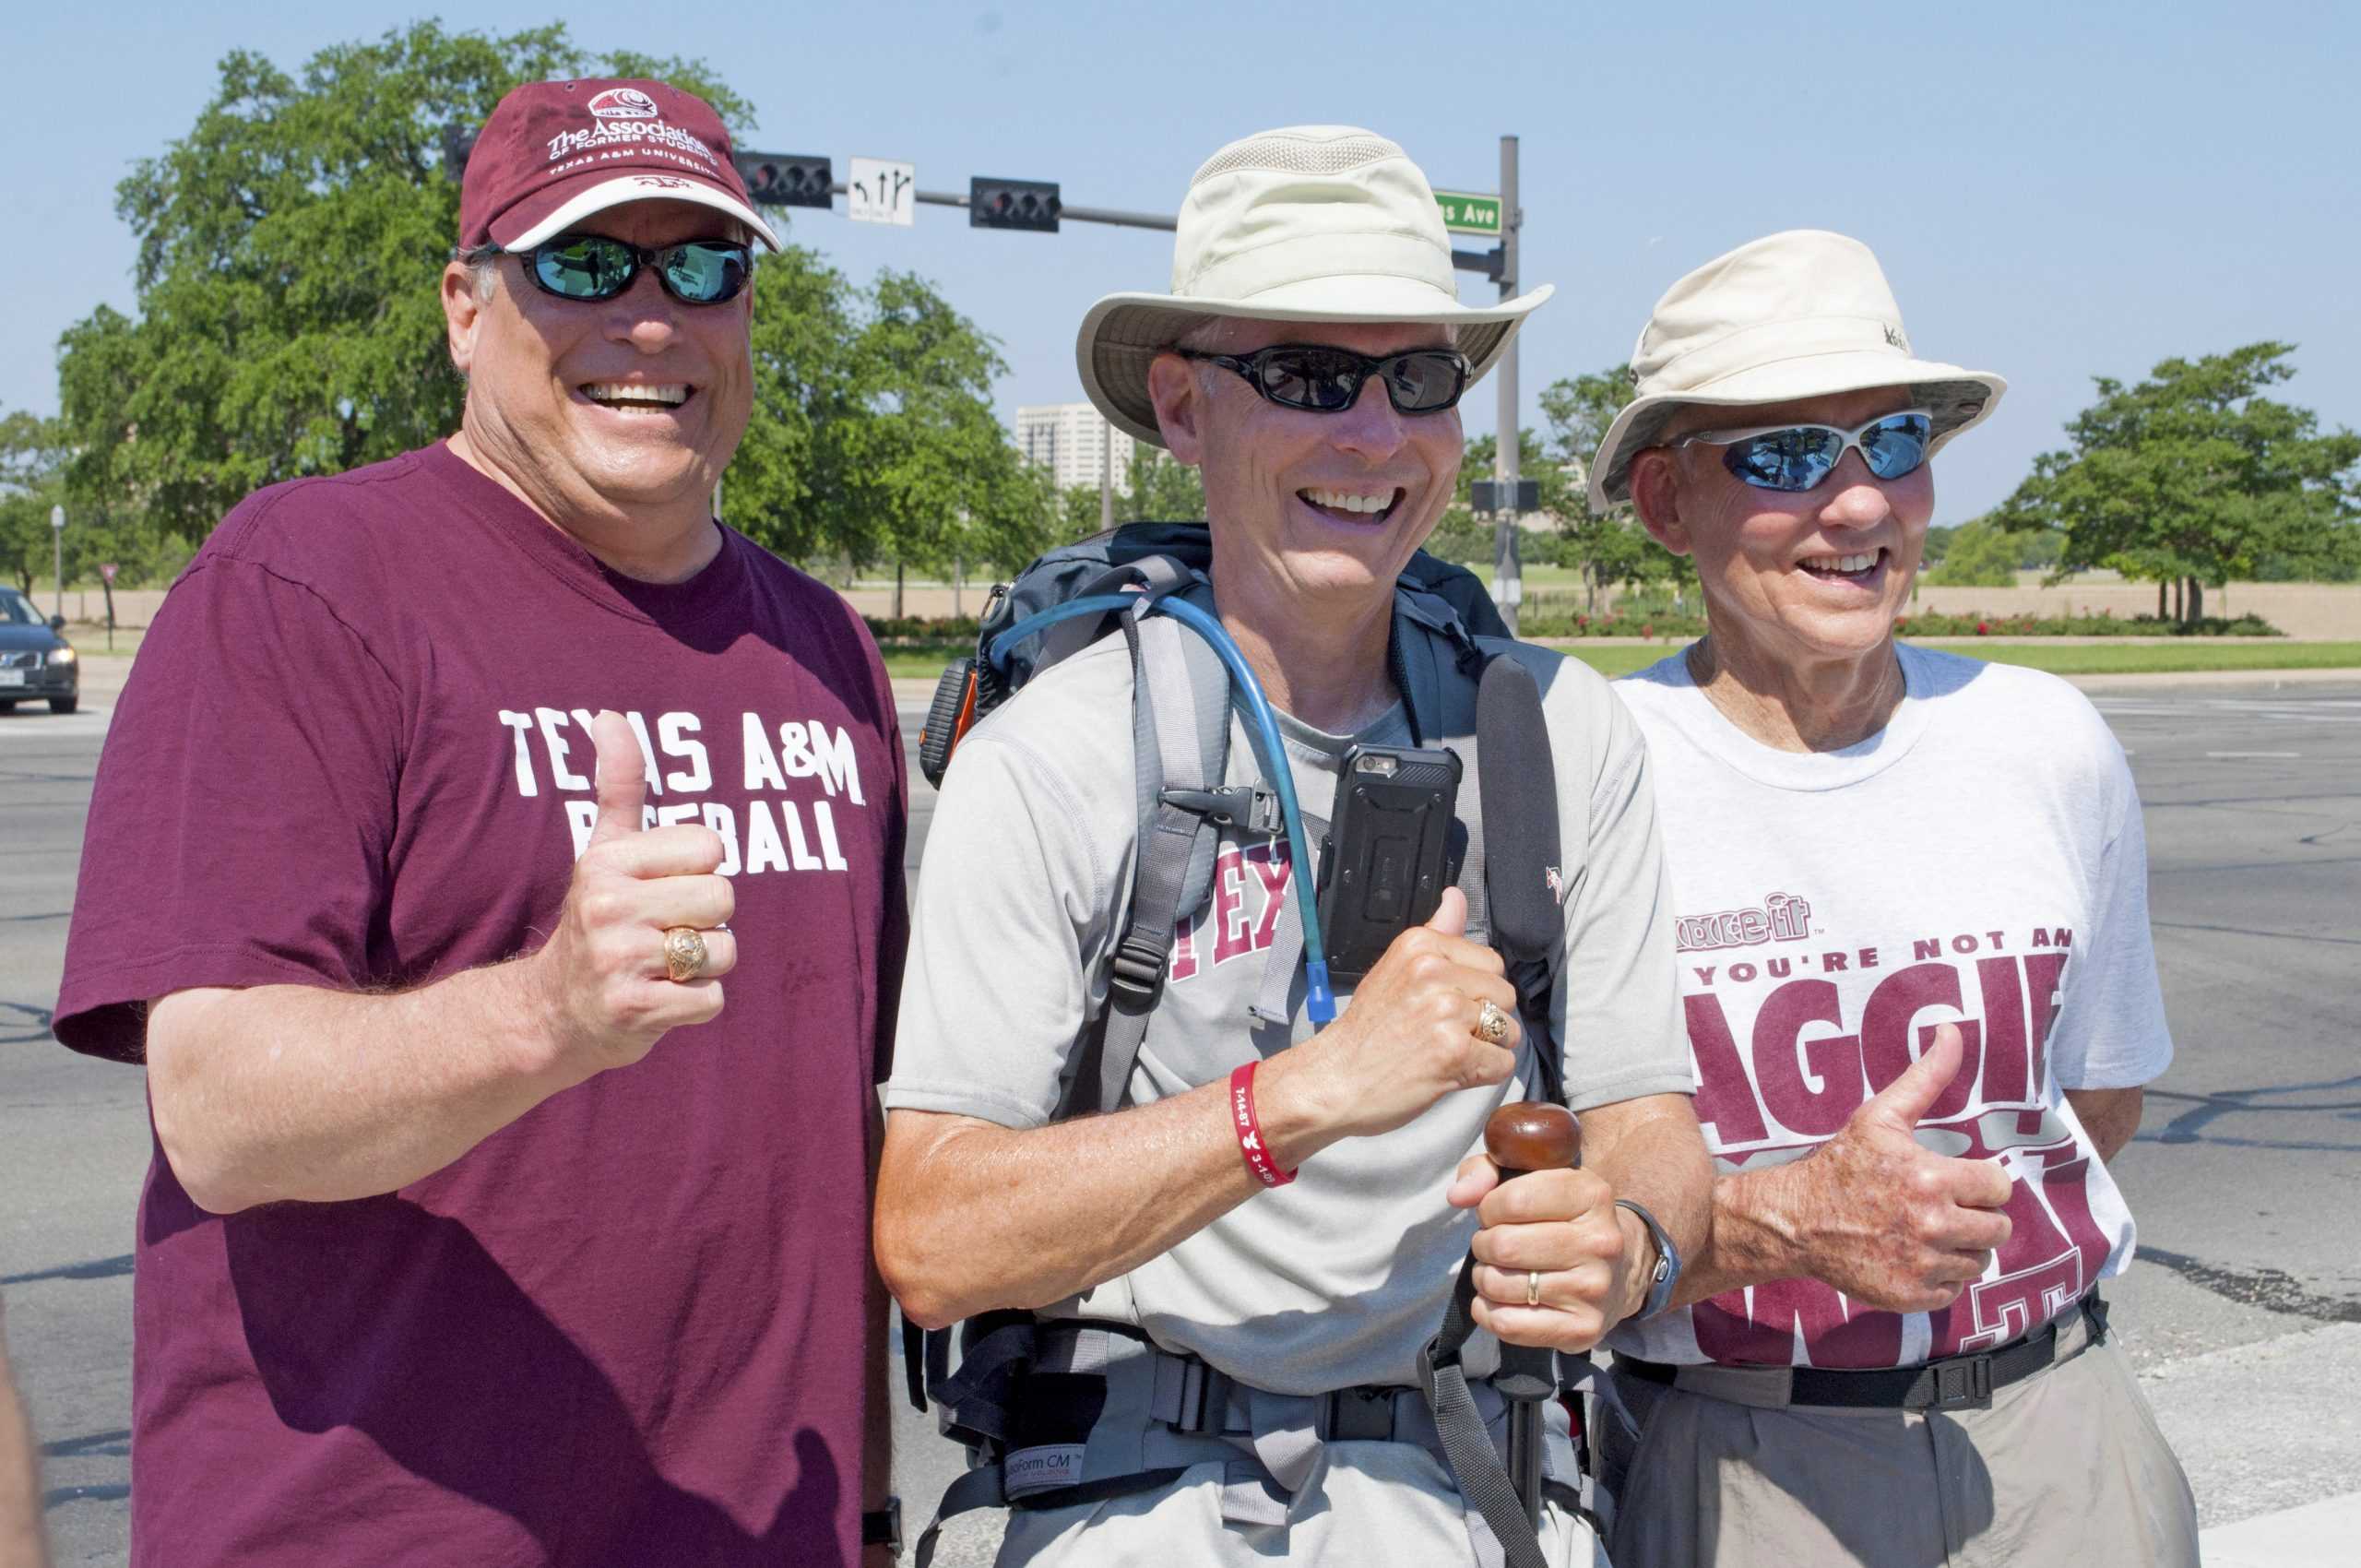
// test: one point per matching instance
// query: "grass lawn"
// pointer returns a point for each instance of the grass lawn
(2258, 654)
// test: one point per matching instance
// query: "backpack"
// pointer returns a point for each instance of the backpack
(1181, 733)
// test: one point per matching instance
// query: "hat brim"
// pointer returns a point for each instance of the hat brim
(1123, 333)
(1959, 399)
(550, 212)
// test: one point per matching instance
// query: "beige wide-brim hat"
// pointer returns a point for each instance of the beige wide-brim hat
(1314, 223)
(1805, 314)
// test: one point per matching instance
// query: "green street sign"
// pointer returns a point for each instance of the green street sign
(1466, 212)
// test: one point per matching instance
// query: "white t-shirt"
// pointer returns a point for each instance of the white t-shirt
(1979, 861)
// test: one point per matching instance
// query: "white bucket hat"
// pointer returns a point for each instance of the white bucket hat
(1805, 314)
(1308, 223)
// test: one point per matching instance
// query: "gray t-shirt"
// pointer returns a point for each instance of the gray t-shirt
(1341, 1276)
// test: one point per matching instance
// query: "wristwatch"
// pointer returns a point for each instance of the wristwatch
(883, 1527)
(1667, 1269)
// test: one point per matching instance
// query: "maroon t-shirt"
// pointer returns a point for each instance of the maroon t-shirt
(356, 752)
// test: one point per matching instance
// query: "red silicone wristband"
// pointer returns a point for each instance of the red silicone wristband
(1250, 1130)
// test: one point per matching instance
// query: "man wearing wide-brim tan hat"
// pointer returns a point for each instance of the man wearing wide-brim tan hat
(1911, 898)
(1226, 1319)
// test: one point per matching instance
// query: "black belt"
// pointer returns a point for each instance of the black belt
(1960, 1382)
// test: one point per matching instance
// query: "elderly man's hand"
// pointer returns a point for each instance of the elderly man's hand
(1409, 1036)
(1562, 1227)
(605, 993)
(1890, 1223)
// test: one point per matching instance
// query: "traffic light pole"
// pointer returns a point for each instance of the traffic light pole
(1507, 575)
(1076, 214)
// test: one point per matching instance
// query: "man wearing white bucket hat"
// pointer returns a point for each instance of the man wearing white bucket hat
(1224, 1360)
(1921, 998)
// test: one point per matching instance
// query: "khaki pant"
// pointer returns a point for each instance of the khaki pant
(2065, 1469)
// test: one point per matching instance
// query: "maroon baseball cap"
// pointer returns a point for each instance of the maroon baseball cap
(554, 153)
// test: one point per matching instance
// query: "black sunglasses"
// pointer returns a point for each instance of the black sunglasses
(1327, 380)
(1800, 457)
(593, 266)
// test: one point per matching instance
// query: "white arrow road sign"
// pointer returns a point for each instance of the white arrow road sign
(882, 191)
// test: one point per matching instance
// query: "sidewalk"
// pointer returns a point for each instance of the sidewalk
(2326, 1534)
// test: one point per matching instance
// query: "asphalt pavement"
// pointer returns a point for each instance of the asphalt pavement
(2243, 1314)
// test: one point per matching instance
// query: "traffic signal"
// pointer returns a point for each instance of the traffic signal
(777, 179)
(1013, 204)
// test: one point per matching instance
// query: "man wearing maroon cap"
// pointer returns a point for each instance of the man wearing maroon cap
(450, 1255)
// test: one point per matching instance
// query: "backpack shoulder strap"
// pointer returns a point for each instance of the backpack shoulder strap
(1535, 989)
(1181, 745)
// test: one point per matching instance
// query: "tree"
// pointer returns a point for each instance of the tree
(2193, 475)
(1610, 547)
(1978, 555)
(287, 319)
(1158, 488)
(31, 457)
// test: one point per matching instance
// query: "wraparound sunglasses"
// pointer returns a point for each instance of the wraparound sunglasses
(590, 268)
(1325, 380)
(1796, 457)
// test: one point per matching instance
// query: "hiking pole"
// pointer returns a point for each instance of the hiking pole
(1526, 1137)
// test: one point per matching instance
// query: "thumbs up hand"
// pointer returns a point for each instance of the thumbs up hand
(605, 993)
(1409, 1037)
(1887, 1221)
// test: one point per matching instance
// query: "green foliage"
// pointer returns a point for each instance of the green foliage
(31, 457)
(1978, 555)
(1158, 489)
(1975, 624)
(1611, 548)
(873, 434)
(288, 320)
(2194, 473)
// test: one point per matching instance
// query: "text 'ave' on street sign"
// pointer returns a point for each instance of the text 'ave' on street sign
(882, 191)
(1467, 212)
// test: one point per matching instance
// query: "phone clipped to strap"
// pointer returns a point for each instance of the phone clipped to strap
(1392, 847)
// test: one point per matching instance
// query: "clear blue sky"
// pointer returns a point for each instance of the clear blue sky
(2056, 190)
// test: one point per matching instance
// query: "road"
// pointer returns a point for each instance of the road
(2243, 1314)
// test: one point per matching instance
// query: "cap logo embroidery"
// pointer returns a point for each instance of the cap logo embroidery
(624, 104)
(1894, 339)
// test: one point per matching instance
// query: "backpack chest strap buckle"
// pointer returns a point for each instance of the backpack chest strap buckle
(1247, 807)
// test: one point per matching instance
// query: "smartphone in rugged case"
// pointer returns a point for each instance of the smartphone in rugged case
(1393, 846)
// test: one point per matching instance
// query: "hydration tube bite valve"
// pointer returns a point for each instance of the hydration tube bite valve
(1262, 730)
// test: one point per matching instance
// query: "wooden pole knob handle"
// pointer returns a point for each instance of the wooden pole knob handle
(1534, 1135)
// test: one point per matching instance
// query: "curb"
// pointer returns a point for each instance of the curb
(2318, 1535)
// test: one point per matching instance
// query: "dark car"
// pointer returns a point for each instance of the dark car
(35, 662)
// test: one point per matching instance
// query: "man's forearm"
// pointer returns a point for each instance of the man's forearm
(299, 1092)
(21, 1512)
(2109, 1116)
(1748, 1239)
(1101, 1195)
(1651, 1153)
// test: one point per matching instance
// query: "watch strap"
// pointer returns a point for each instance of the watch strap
(1667, 1270)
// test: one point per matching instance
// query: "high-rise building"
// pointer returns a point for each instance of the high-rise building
(1069, 440)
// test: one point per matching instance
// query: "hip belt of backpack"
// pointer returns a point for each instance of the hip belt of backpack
(1057, 1413)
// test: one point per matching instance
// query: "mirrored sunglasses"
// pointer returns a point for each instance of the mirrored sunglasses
(590, 268)
(1794, 457)
(1324, 380)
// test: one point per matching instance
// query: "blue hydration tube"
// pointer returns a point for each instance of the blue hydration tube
(1261, 728)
